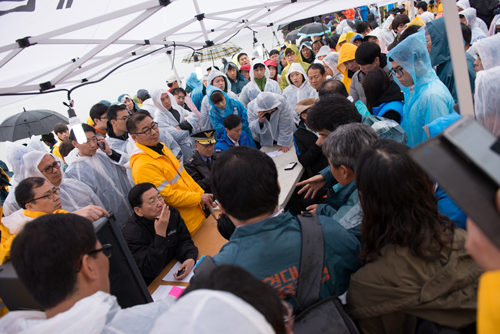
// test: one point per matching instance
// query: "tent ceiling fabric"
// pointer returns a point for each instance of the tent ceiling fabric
(75, 40)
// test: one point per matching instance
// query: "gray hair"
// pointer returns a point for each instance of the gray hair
(343, 146)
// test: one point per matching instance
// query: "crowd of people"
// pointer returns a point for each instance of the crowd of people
(351, 104)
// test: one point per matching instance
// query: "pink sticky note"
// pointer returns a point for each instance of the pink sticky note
(176, 291)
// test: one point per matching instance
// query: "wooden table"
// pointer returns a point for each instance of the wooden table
(209, 242)
(287, 178)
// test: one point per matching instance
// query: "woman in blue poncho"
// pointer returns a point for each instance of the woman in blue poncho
(426, 97)
(221, 106)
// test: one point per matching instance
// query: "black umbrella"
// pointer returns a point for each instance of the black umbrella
(314, 29)
(30, 123)
(292, 36)
(292, 25)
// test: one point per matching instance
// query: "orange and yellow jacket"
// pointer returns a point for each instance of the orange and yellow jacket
(488, 303)
(346, 53)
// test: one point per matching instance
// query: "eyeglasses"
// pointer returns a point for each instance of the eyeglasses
(153, 201)
(124, 118)
(50, 169)
(49, 195)
(397, 72)
(106, 249)
(154, 126)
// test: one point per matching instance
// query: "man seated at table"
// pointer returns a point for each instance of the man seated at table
(151, 161)
(233, 134)
(267, 241)
(155, 234)
(198, 165)
(65, 268)
(37, 197)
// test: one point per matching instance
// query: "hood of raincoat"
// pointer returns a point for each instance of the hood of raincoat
(156, 97)
(280, 67)
(15, 154)
(489, 51)
(296, 68)
(252, 75)
(494, 23)
(309, 46)
(412, 55)
(470, 16)
(33, 159)
(229, 102)
(347, 52)
(440, 52)
(121, 99)
(298, 57)
(324, 51)
(464, 4)
(332, 61)
(266, 101)
(487, 99)
(209, 311)
(216, 73)
(239, 76)
(342, 38)
(193, 81)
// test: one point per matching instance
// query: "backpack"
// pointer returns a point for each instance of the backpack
(312, 315)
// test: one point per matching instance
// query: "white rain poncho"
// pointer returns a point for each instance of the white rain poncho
(98, 313)
(15, 154)
(37, 145)
(464, 4)
(323, 51)
(209, 311)
(167, 122)
(494, 23)
(73, 193)
(16, 221)
(251, 90)
(205, 104)
(429, 98)
(473, 23)
(107, 179)
(293, 94)
(279, 127)
(332, 61)
(488, 50)
(487, 99)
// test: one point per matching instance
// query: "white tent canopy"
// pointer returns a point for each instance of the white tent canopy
(74, 41)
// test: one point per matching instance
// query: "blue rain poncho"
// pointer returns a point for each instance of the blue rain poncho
(192, 82)
(428, 98)
(441, 58)
(218, 115)
(123, 97)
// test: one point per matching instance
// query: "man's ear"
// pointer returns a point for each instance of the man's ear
(30, 206)
(346, 172)
(138, 211)
(88, 268)
(75, 144)
(134, 138)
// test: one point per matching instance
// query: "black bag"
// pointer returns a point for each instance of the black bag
(312, 315)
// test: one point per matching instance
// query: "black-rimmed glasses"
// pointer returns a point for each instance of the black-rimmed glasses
(397, 72)
(49, 195)
(50, 169)
(106, 249)
(154, 126)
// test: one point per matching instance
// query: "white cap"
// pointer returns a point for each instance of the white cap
(171, 78)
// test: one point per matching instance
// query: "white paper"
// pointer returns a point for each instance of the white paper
(275, 154)
(170, 276)
(161, 292)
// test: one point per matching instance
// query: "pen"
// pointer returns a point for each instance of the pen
(199, 261)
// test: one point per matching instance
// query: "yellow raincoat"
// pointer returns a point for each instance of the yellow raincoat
(172, 181)
(347, 52)
(342, 39)
(417, 21)
(488, 303)
(298, 59)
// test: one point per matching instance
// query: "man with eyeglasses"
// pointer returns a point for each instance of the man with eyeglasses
(101, 168)
(117, 135)
(155, 234)
(37, 197)
(151, 161)
(100, 119)
(74, 194)
(71, 284)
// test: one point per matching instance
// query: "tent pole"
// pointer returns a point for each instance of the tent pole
(458, 60)
(169, 54)
(202, 24)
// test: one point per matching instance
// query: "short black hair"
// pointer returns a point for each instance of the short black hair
(332, 86)
(254, 173)
(258, 65)
(241, 54)
(316, 66)
(422, 5)
(65, 148)
(330, 112)
(231, 121)
(135, 194)
(399, 20)
(244, 285)
(216, 97)
(367, 52)
(178, 90)
(113, 110)
(86, 128)
(362, 26)
(408, 32)
(46, 255)
(274, 52)
(97, 111)
(60, 128)
(24, 190)
(466, 33)
(136, 118)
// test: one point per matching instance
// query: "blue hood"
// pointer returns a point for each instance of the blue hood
(193, 81)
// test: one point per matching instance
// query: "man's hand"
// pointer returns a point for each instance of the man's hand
(106, 148)
(262, 116)
(284, 149)
(207, 200)
(311, 185)
(161, 222)
(188, 265)
(178, 128)
(312, 208)
(320, 141)
(92, 212)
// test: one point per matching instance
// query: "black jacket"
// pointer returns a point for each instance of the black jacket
(152, 252)
(199, 170)
(309, 154)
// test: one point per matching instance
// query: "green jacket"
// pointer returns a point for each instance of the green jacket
(270, 250)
